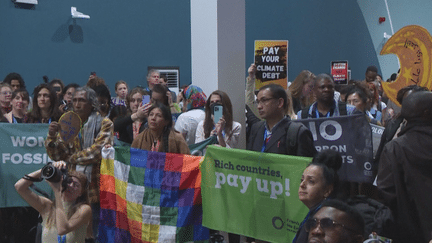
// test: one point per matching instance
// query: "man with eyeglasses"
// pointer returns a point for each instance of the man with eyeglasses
(335, 222)
(278, 133)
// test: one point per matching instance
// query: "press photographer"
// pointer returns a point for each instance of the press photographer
(65, 219)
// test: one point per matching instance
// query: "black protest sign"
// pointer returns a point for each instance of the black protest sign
(352, 137)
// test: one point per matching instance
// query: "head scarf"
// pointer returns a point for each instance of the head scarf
(195, 96)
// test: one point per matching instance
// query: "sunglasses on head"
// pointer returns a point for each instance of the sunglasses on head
(325, 224)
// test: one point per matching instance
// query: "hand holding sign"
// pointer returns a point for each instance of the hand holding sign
(70, 125)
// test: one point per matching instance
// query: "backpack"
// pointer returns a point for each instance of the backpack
(378, 217)
(341, 106)
(291, 137)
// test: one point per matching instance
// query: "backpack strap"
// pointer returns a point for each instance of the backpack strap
(291, 137)
(342, 108)
(305, 113)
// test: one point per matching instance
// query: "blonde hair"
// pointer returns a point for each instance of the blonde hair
(296, 88)
(290, 110)
(81, 200)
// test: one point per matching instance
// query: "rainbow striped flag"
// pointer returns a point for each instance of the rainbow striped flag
(150, 197)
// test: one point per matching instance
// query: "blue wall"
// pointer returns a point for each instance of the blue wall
(122, 38)
(318, 32)
(119, 41)
(402, 13)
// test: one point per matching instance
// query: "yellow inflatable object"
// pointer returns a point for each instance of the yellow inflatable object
(413, 46)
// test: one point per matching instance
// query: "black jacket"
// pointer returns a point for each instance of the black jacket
(278, 142)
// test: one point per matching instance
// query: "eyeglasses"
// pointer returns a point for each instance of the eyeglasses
(263, 100)
(6, 93)
(325, 224)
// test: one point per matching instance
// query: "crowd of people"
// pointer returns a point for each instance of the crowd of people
(156, 119)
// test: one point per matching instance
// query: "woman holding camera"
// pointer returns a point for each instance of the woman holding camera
(226, 130)
(65, 219)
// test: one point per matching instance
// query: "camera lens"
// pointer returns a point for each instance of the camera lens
(51, 173)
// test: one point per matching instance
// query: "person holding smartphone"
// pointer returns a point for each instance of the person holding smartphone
(129, 126)
(219, 121)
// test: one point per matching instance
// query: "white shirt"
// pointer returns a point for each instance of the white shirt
(187, 124)
(231, 142)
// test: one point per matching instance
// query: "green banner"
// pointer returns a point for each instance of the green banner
(22, 151)
(252, 194)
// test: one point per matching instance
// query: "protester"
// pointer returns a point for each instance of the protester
(226, 130)
(20, 102)
(277, 133)
(58, 86)
(319, 182)
(394, 125)
(301, 89)
(325, 105)
(194, 101)
(371, 74)
(129, 126)
(65, 219)
(104, 99)
(275, 130)
(68, 92)
(159, 135)
(5, 97)
(377, 106)
(15, 81)
(404, 177)
(152, 79)
(45, 108)
(160, 93)
(83, 153)
(359, 97)
(121, 90)
(164, 81)
(335, 222)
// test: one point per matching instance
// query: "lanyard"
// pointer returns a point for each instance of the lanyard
(267, 137)
(317, 113)
(61, 238)
(80, 140)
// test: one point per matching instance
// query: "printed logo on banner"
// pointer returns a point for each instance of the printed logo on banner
(244, 193)
(352, 137)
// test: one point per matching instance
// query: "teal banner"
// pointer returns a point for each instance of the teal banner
(199, 149)
(22, 151)
(252, 194)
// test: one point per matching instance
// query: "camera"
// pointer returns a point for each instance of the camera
(54, 174)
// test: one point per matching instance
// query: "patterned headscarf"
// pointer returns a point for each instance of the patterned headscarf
(195, 96)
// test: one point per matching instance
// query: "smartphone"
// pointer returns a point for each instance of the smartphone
(217, 113)
(145, 99)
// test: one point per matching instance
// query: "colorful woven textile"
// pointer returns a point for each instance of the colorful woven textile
(150, 197)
